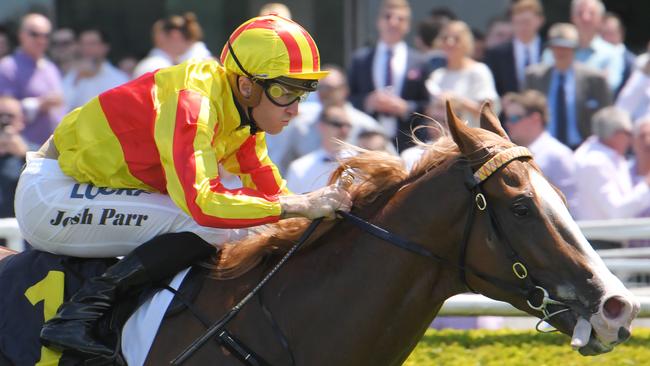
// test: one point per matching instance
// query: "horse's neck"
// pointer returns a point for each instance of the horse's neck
(353, 299)
(366, 296)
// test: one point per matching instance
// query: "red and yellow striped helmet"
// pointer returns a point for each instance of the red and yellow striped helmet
(271, 46)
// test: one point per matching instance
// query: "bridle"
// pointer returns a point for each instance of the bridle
(537, 297)
(531, 288)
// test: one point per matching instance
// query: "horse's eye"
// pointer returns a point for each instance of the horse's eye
(520, 210)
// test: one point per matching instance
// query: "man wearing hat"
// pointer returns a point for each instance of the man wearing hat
(605, 188)
(574, 91)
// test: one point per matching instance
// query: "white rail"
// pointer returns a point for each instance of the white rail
(620, 261)
(616, 229)
(9, 230)
(477, 305)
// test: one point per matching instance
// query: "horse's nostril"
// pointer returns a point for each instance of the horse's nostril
(623, 334)
(613, 307)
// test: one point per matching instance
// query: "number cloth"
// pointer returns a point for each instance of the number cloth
(33, 285)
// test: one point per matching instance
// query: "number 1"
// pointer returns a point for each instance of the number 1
(50, 291)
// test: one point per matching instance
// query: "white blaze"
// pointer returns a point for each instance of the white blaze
(606, 329)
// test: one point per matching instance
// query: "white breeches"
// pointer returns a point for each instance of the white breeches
(58, 215)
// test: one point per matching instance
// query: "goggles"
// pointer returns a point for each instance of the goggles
(282, 95)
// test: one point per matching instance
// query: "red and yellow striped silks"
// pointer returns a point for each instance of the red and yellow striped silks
(168, 131)
(272, 46)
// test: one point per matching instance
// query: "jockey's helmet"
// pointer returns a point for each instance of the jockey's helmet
(273, 50)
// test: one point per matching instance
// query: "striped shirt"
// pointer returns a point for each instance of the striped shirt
(167, 131)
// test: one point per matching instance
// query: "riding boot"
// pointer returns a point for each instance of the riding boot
(72, 329)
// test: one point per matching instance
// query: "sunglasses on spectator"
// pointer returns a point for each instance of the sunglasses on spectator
(62, 42)
(35, 34)
(327, 87)
(516, 118)
(337, 123)
(450, 38)
(6, 119)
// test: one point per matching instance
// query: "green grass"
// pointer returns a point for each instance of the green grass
(517, 348)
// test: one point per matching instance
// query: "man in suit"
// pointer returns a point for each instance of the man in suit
(508, 61)
(574, 91)
(386, 79)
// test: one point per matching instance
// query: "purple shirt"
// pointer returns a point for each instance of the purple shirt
(23, 77)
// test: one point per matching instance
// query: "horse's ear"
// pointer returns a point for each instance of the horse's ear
(460, 133)
(489, 121)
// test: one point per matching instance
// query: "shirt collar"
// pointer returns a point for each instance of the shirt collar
(23, 57)
(532, 46)
(611, 153)
(540, 140)
(397, 47)
(596, 43)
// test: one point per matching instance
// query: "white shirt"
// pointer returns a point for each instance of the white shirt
(412, 155)
(605, 188)
(78, 92)
(198, 50)
(635, 95)
(533, 50)
(474, 82)
(398, 74)
(398, 66)
(310, 172)
(156, 59)
(558, 165)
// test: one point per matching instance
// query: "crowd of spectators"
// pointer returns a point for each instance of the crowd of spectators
(577, 97)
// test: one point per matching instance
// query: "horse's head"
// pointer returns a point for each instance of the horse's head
(527, 250)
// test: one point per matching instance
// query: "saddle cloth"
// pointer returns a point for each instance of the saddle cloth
(141, 328)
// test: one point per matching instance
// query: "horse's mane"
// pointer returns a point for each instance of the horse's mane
(375, 173)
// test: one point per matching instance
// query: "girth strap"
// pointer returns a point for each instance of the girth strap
(224, 338)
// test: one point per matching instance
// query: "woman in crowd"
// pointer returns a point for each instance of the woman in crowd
(465, 82)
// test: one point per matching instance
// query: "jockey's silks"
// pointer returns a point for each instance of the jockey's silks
(167, 131)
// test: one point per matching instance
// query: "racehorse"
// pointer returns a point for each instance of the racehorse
(480, 216)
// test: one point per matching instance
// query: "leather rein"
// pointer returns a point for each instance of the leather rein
(536, 296)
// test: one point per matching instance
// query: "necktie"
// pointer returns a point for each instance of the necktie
(526, 57)
(560, 111)
(389, 69)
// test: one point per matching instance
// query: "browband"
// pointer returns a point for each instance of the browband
(499, 160)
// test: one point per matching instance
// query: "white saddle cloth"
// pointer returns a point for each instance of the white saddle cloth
(141, 328)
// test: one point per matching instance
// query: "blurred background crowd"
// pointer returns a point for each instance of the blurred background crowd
(572, 90)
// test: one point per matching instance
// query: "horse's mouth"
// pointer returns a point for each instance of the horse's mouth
(583, 337)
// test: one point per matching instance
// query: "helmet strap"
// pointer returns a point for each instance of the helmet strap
(251, 100)
(254, 127)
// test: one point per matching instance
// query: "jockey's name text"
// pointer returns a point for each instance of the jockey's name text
(108, 216)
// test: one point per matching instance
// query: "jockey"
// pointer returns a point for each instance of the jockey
(140, 164)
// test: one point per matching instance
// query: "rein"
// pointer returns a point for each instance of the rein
(478, 203)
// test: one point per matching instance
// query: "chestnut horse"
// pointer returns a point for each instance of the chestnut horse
(350, 298)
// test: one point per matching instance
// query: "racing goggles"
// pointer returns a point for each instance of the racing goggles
(283, 95)
(284, 91)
